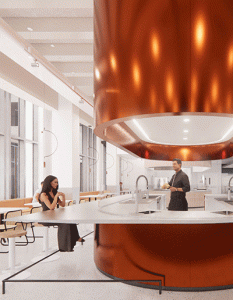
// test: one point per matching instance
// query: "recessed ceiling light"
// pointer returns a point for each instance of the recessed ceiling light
(186, 130)
(186, 120)
(52, 45)
(185, 138)
(29, 28)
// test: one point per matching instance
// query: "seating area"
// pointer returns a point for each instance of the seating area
(93, 196)
(18, 202)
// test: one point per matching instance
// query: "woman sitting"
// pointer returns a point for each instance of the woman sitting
(49, 198)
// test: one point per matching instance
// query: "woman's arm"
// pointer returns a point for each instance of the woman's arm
(62, 200)
(44, 198)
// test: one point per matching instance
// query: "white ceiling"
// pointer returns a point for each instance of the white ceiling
(170, 130)
(68, 25)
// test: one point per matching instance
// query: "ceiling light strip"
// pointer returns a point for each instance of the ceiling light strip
(35, 54)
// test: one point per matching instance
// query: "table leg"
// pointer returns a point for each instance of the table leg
(46, 239)
(12, 253)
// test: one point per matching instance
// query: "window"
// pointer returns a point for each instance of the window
(18, 147)
(15, 112)
(29, 120)
(29, 170)
(15, 187)
(88, 159)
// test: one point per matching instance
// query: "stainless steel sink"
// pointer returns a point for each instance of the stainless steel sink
(147, 212)
(132, 201)
(225, 200)
(225, 212)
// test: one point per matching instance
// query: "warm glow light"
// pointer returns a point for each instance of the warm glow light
(97, 74)
(136, 75)
(112, 91)
(185, 138)
(169, 87)
(186, 130)
(52, 46)
(155, 46)
(214, 89)
(113, 62)
(30, 29)
(230, 58)
(185, 153)
(194, 88)
(200, 33)
(186, 120)
(141, 129)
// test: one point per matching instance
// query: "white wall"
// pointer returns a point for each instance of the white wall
(130, 173)
(65, 161)
(112, 165)
(214, 174)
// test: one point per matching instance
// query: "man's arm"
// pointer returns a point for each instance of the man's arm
(186, 184)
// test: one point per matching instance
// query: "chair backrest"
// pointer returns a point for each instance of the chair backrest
(13, 214)
(36, 210)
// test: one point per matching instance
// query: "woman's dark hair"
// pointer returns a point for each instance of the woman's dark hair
(47, 185)
(178, 161)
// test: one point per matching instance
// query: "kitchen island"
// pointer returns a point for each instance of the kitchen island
(188, 250)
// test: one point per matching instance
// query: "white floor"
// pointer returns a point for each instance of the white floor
(80, 265)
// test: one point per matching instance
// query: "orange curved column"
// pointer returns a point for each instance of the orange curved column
(162, 58)
(191, 257)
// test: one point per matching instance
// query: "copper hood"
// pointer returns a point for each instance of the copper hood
(162, 58)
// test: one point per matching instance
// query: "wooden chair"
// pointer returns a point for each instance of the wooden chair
(10, 226)
(10, 235)
(32, 225)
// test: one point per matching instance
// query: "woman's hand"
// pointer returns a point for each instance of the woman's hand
(62, 201)
(173, 189)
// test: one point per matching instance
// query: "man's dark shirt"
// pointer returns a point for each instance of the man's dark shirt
(178, 200)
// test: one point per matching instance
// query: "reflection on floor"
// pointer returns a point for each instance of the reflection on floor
(80, 265)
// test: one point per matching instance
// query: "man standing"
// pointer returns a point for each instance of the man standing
(179, 186)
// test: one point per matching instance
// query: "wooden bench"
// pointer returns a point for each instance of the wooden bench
(17, 202)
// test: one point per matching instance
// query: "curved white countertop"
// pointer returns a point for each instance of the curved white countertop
(121, 214)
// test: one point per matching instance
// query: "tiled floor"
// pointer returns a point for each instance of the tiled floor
(80, 265)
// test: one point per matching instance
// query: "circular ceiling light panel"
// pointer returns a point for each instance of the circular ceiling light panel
(171, 130)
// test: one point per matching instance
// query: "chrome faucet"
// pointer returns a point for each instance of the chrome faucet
(229, 189)
(138, 192)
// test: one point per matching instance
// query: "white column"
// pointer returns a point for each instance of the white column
(75, 153)
(65, 161)
(7, 154)
(2, 145)
(47, 142)
(99, 147)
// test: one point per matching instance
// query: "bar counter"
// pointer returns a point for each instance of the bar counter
(190, 250)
